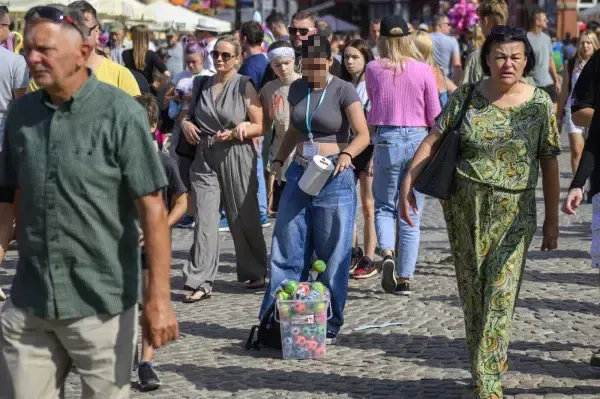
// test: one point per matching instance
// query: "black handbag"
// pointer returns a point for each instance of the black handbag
(183, 148)
(438, 177)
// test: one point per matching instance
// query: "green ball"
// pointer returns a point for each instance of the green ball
(320, 307)
(283, 296)
(319, 287)
(291, 287)
(319, 266)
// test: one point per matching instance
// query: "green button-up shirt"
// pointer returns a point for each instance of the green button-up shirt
(79, 168)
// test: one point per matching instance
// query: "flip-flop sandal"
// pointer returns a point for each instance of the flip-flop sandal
(189, 299)
(254, 284)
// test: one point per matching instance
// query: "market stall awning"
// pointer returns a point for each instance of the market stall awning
(338, 25)
(131, 9)
(180, 18)
(25, 5)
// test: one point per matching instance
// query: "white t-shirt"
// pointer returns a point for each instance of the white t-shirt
(184, 82)
(209, 64)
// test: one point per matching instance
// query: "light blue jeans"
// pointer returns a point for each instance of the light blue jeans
(320, 225)
(262, 185)
(395, 148)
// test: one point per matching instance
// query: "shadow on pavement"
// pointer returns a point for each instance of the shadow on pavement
(238, 379)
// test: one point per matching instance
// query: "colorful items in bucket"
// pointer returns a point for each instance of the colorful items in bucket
(311, 290)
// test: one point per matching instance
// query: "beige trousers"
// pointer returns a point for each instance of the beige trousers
(36, 354)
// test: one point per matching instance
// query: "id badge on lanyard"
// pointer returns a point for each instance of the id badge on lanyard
(310, 148)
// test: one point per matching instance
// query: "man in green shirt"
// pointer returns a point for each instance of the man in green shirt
(79, 153)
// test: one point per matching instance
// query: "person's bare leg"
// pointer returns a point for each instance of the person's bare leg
(368, 210)
(576, 142)
(147, 348)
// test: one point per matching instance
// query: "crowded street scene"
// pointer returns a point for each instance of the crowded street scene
(299, 199)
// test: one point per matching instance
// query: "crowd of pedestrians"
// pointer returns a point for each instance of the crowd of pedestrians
(103, 151)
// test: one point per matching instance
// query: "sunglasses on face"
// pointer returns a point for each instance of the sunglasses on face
(508, 32)
(294, 31)
(51, 14)
(225, 56)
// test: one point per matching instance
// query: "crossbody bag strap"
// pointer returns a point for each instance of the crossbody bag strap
(464, 108)
(200, 87)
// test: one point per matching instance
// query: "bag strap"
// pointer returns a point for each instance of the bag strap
(200, 87)
(464, 107)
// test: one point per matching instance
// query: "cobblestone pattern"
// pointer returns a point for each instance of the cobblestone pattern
(554, 333)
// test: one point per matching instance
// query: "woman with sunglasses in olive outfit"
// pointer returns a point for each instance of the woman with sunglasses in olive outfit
(508, 131)
(224, 117)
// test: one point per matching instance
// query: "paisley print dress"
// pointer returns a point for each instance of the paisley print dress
(491, 217)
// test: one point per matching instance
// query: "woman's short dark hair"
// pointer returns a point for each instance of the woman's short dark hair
(316, 46)
(510, 35)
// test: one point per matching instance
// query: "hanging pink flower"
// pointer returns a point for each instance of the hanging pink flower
(463, 14)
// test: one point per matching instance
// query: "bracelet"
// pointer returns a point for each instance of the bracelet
(278, 161)
(347, 153)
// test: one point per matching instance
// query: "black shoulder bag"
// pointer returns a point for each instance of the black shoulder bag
(438, 177)
(183, 148)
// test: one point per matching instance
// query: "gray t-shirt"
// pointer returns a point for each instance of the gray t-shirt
(329, 123)
(175, 62)
(542, 48)
(444, 47)
(13, 75)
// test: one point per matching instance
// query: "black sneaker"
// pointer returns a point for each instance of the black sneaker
(388, 278)
(365, 269)
(148, 379)
(595, 361)
(357, 255)
(404, 289)
(331, 338)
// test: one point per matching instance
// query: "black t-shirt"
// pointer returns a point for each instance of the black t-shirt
(141, 81)
(176, 185)
(586, 94)
(152, 61)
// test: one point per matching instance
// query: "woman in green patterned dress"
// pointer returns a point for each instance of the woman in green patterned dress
(509, 130)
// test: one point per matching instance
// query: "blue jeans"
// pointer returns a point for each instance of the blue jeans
(320, 225)
(394, 150)
(262, 185)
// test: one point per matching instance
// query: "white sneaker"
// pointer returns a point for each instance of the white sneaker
(2, 296)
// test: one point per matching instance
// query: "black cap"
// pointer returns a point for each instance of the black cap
(392, 22)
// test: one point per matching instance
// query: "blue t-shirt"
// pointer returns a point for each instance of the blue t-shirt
(254, 67)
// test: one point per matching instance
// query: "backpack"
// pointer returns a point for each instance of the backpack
(269, 331)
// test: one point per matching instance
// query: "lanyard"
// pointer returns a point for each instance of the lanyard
(309, 116)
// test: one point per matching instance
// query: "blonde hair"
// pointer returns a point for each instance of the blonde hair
(397, 50)
(235, 43)
(478, 38)
(140, 38)
(495, 10)
(593, 38)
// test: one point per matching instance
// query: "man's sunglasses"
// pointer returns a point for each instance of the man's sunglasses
(294, 31)
(51, 14)
(508, 32)
(224, 56)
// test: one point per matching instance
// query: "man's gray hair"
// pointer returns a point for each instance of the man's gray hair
(77, 17)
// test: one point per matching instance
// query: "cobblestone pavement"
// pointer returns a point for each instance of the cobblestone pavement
(554, 333)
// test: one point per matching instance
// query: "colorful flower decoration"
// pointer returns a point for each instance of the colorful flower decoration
(463, 14)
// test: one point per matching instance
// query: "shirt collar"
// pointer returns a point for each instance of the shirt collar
(75, 102)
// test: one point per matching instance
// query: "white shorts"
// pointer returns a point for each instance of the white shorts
(595, 249)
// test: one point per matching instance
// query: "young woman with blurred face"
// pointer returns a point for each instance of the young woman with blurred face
(323, 108)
